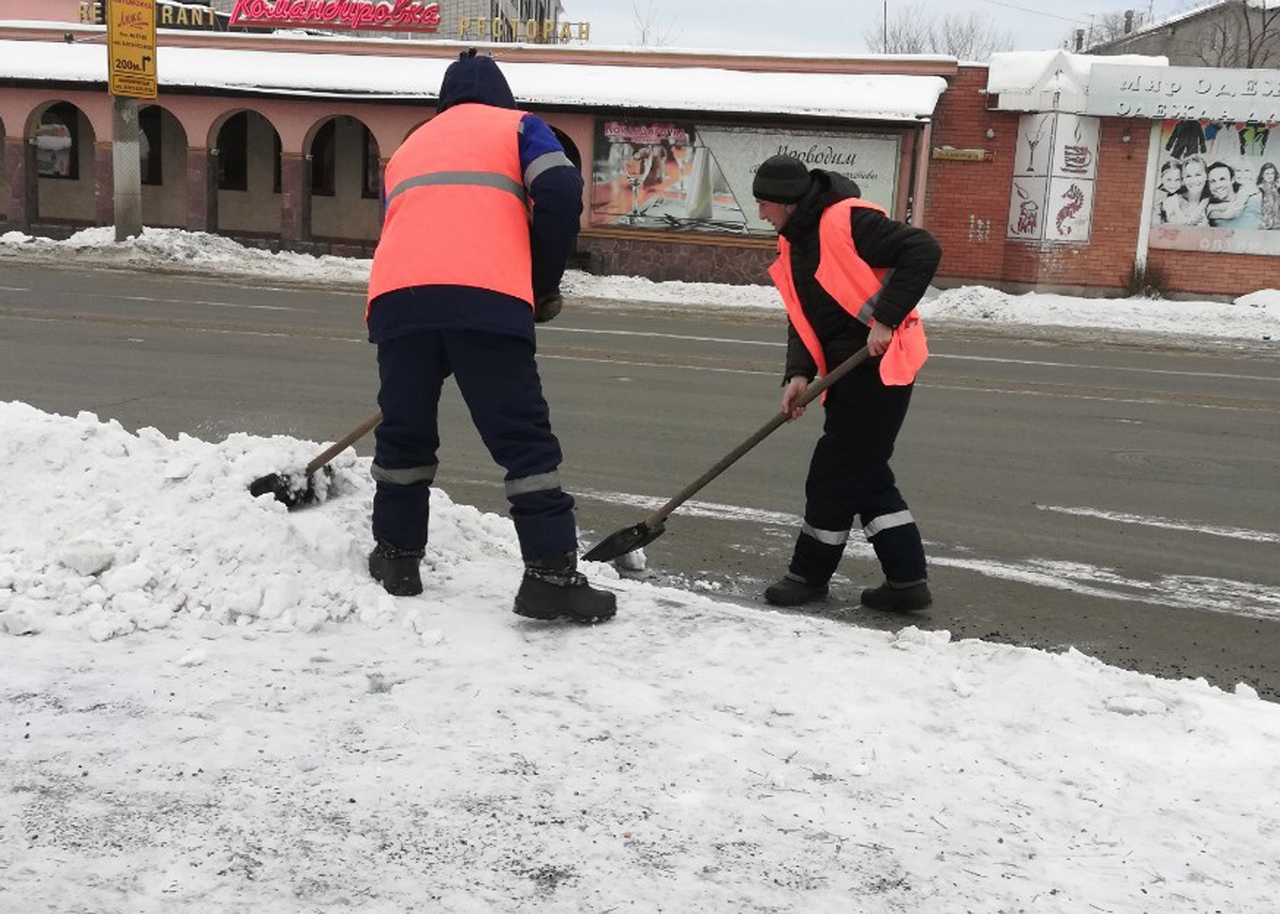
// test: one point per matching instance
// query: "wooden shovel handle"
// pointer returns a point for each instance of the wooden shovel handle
(812, 393)
(344, 442)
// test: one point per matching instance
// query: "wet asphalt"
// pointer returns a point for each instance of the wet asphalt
(1114, 494)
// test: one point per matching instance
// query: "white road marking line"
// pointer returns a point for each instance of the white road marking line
(1233, 598)
(1130, 368)
(208, 304)
(663, 365)
(1135, 401)
(1165, 523)
(1237, 598)
(665, 336)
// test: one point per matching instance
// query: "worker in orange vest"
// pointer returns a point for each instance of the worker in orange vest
(849, 276)
(482, 209)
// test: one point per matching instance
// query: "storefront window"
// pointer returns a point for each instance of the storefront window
(57, 153)
(372, 171)
(322, 160)
(149, 148)
(233, 153)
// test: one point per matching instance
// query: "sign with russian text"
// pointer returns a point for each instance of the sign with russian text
(534, 31)
(1183, 93)
(131, 48)
(389, 15)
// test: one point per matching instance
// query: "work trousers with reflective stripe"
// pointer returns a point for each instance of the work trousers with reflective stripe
(498, 378)
(849, 478)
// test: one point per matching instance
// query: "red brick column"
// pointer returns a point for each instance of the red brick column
(20, 166)
(295, 197)
(104, 184)
(202, 190)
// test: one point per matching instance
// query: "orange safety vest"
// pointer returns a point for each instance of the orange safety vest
(856, 286)
(457, 211)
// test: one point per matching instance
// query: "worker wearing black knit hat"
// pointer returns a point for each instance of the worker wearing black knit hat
(850, 276)
(780, 179)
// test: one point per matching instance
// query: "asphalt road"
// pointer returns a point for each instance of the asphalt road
(1113, 494)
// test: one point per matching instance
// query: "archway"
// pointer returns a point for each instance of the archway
(345, 180)
(4, 178)
(570, 147)
(162, 151)
(248, 175)
(63, 168)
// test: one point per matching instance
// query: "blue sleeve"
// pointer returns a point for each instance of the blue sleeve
(555, 187)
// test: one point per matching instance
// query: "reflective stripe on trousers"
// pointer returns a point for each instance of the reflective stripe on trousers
(404, 477)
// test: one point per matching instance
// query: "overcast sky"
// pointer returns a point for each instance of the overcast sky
(838, 26)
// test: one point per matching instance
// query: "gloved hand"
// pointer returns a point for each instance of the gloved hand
(546, 306)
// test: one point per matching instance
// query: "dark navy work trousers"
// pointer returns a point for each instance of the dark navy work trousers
(849, 478)
(497, 375)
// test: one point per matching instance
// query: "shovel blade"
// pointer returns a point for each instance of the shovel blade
(628, 539)
(293, 490)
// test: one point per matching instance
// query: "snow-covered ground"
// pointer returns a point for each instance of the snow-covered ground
(206, 706)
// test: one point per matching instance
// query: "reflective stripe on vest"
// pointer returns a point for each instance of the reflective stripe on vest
(457, 209)
(856, 287)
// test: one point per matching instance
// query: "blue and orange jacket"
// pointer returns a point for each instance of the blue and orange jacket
(482, 209)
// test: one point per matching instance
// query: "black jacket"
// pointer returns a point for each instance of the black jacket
(909, 252)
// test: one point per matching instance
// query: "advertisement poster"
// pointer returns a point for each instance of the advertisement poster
(684, 177)
(1054, 177)
(1218, 187)
(53, 149)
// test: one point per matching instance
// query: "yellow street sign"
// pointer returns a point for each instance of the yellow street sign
(131, 48)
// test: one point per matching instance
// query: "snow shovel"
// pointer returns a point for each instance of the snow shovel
(299, 488)
(632, 538)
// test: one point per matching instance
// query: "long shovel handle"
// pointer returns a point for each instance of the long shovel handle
(344, 442)
(812, 393)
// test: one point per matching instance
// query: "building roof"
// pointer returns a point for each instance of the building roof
(1050, 80)
(316, 71)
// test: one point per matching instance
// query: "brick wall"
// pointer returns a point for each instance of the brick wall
(967, 205)
(657, 257)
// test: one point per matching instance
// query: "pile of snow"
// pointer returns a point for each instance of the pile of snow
(214, 709)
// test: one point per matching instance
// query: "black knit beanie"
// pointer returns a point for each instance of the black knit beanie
(781, 179)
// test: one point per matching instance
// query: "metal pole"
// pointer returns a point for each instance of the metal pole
(126, 167)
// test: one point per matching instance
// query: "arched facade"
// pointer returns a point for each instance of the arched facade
(294, 159)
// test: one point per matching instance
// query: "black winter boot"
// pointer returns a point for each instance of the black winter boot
(553, 588)
(396, 569)
(893, 597)
(793, 590)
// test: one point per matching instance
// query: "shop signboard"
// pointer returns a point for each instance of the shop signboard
(1054, 177)
(131, 48)
(683, 176)
(391, 15)
(1218, 187)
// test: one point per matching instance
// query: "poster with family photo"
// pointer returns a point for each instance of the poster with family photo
(1054, 175)
(1218, 187)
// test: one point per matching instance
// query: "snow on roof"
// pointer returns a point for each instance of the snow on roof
(1050, 80)
(834, 95)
